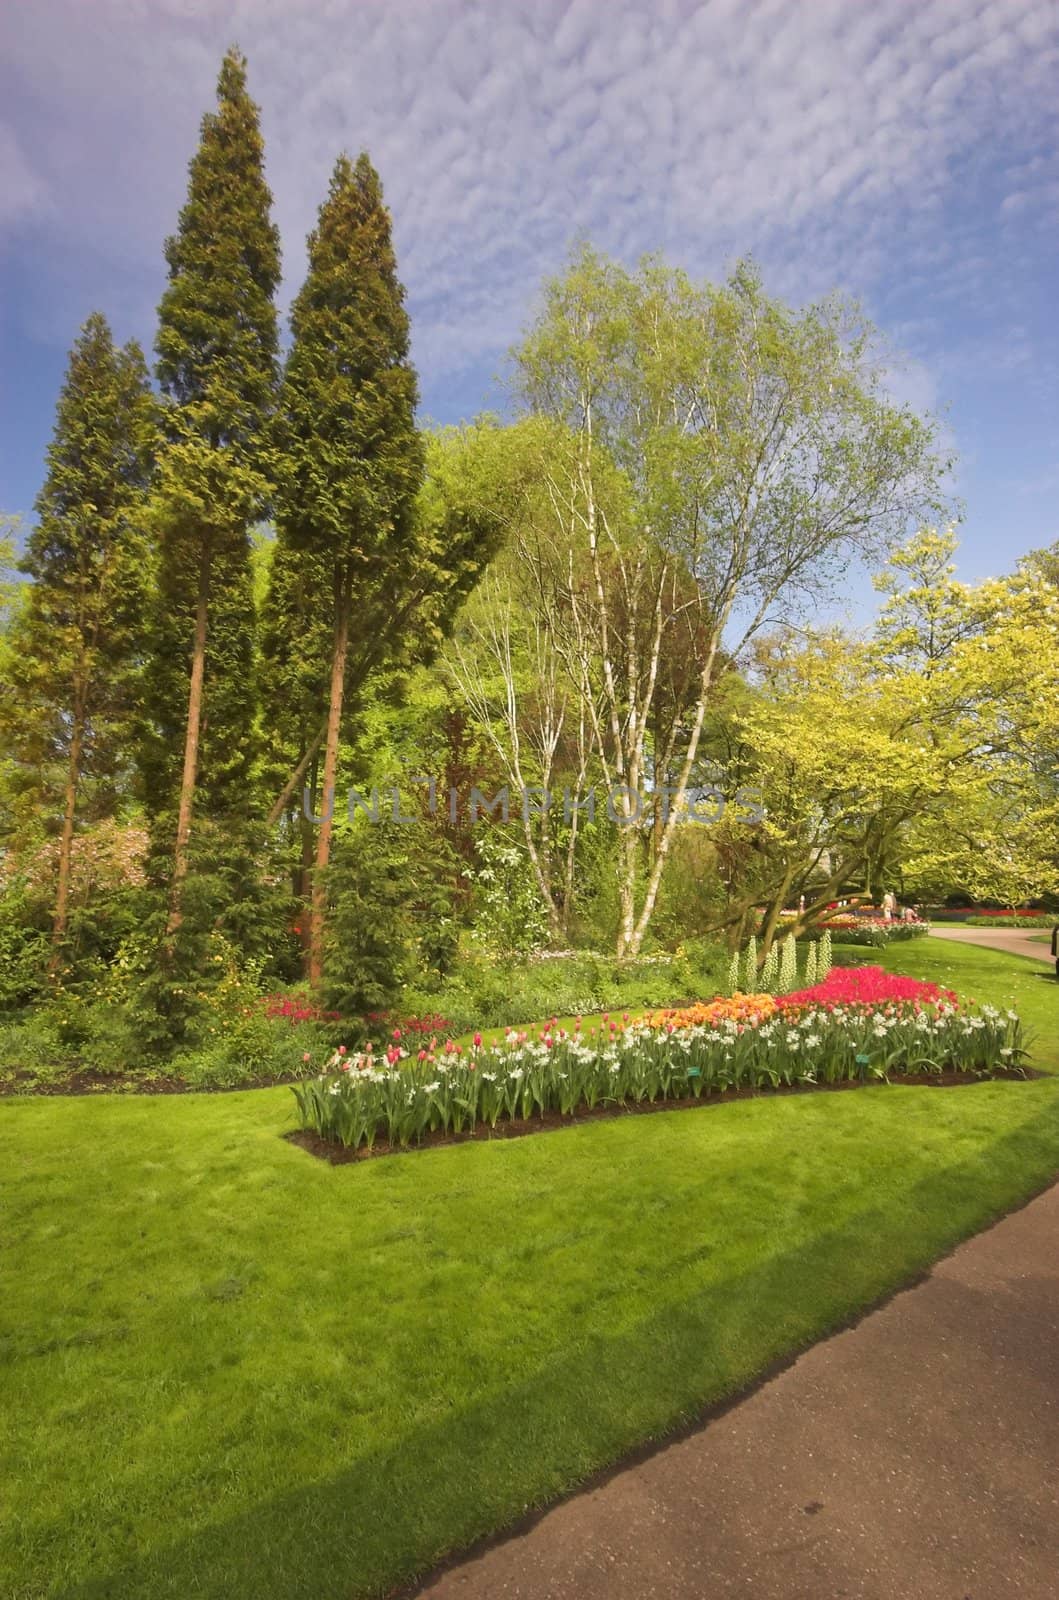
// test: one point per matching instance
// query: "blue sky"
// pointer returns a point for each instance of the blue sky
(904, 153)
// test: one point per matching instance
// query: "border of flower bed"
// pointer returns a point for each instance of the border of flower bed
(337, 1155)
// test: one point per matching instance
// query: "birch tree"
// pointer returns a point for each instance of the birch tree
(705, 456)
(505, 665)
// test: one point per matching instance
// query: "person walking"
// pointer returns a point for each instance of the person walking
(1055, 948)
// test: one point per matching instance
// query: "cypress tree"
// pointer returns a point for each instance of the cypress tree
(79, 643)
(217, 349)
(350, 460)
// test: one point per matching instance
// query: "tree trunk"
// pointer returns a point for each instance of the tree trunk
(304, 887)
(772, 919)
(627, 889)
(323, 838)
(191, 750)
(66, 843)
(286, 794)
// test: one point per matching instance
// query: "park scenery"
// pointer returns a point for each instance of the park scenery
(489, 965)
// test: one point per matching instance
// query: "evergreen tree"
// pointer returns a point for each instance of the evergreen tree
(350, 460)
(77, 652)
(217, 348)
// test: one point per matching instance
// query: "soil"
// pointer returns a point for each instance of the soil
(521, 1127)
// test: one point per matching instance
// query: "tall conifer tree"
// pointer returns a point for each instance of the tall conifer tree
(350, 458)
(78, 650)
(217, 349)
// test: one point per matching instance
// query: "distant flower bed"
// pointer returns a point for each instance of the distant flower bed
(1012, 919)
(849, 1028)
(295, 1008)
(431, 1023)
(848, 929)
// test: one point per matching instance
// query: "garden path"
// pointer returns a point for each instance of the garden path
(1015, 941)
(915, 1454)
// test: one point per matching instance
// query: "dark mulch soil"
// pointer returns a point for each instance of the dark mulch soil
(519, 1127)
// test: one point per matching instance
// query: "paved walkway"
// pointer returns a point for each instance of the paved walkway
(913, 1457)
(1016, 941)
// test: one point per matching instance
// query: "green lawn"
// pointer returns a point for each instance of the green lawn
(230, 1370)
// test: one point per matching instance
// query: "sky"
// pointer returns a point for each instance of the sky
(906, 154)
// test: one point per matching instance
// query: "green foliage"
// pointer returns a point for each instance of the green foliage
(509, 917)
(750, 978)
(247, 1048)
(348, 462)
(147, 1239)
(391, 918)
(1044, 920)
(69, 696)
(217, 338)
(483, 992)
(23, 953)
(217, 347)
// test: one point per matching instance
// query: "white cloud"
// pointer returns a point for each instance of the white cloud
(504, 128)
(23, 195)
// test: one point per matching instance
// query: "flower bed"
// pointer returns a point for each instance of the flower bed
(858, 1034)
(431, 1022)
(867, 986)
(295, 1008)
(847, 928)
(986, 916)
(735, 1008)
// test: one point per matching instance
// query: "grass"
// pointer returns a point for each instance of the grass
(233, 1371)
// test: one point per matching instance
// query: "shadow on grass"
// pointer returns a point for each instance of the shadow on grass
(392, 1514)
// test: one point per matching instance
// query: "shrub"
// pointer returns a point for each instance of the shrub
(30, 1045)
(996, 920)
(491, 993)
(509, 917)
(24, 951)
(392, 922)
